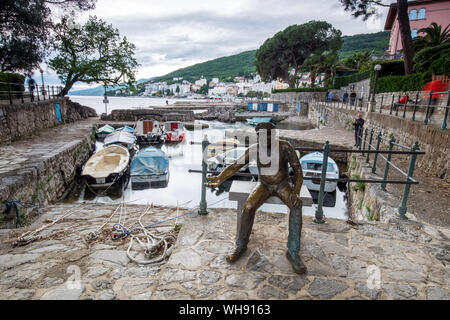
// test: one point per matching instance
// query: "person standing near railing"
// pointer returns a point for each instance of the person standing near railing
(358, 125)
(345, 97)
(31, 86)
(352, 98)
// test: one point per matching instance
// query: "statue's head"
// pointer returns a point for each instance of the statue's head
(267, 127)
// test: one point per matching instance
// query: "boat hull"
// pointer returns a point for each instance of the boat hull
(139, 182)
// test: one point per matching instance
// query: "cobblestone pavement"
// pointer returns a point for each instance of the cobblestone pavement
(402, 260)
(28, 152)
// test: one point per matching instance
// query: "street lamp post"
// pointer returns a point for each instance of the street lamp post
(373, 103)
(377, 68)
(42, 80)
(105, 101)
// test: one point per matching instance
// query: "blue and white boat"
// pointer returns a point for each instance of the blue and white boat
(312, 167)
(126, 129)
(150, 169)
(255, 121)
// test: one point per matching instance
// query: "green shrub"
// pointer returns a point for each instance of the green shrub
(315, 89)
(442, 65)
(359, 186)
(411, 82)
(17, 81)
(346, 80)
(425, 57)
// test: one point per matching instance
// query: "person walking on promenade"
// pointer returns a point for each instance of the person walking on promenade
(352, 98)
(358, 125)
(31, 86)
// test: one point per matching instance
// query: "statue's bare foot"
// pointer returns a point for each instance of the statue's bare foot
(297, 263)
(235, 255)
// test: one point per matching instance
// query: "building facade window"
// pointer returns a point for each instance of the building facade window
(421, 14)
(413, 33)
(413, 14)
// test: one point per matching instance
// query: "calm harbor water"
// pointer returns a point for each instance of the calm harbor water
(184, 188)
(96, 102)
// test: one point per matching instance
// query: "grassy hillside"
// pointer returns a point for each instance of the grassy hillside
(365, 42)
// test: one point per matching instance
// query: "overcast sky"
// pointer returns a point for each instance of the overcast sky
(172, 34)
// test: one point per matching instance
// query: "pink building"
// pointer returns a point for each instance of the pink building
(421, 14)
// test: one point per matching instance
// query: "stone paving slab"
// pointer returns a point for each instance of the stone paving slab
(366, 261)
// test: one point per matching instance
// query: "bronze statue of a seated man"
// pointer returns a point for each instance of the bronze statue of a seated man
(274, 180)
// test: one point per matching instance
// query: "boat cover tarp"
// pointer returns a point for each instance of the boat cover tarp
(149, 161)
(126, 129)
(105, 129)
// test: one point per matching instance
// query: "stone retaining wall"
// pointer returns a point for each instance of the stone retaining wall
(432, 140)
(369, 201)
(46, 180)
(22, 120)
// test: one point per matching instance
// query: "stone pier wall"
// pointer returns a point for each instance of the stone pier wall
(158, 114)
(369, 201)
(46, 180)
(19, 121)
(432, 140)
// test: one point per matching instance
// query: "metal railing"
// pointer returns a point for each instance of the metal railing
(413, 151)
(19, 93)
(420, 106)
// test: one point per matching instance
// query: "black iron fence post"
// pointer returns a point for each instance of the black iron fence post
(428, 107)
(398, 106)
(412, 162)
(406, 103)
(370, 143)
(444, 123)
(202, 208)
(386, 168)
(392, 105)
(319, 211)
(37, 92)
(377, 147)
(381, 103)
(9, 93)
(48, 92)
(53, 93)
(415, 107)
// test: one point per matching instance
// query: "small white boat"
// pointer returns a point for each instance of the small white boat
(149, 132)
(174, 131)
(312, 167)
(150, 169)
(124, 138)
(223, 160)
(106, 167)
(102, 132)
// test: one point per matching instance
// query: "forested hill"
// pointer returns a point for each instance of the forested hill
(243, 63)
(226, 67)
(365, 42)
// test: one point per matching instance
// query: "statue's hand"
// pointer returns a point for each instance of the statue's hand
(214, 182)
(295, 200)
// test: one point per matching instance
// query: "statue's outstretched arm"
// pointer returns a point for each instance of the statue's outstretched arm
(229, 171)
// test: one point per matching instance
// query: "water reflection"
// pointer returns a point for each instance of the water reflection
(184, 188)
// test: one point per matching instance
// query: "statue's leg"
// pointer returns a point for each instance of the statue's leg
(256, 198)
(295, 229)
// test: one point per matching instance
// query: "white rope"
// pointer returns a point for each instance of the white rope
(31, 236)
